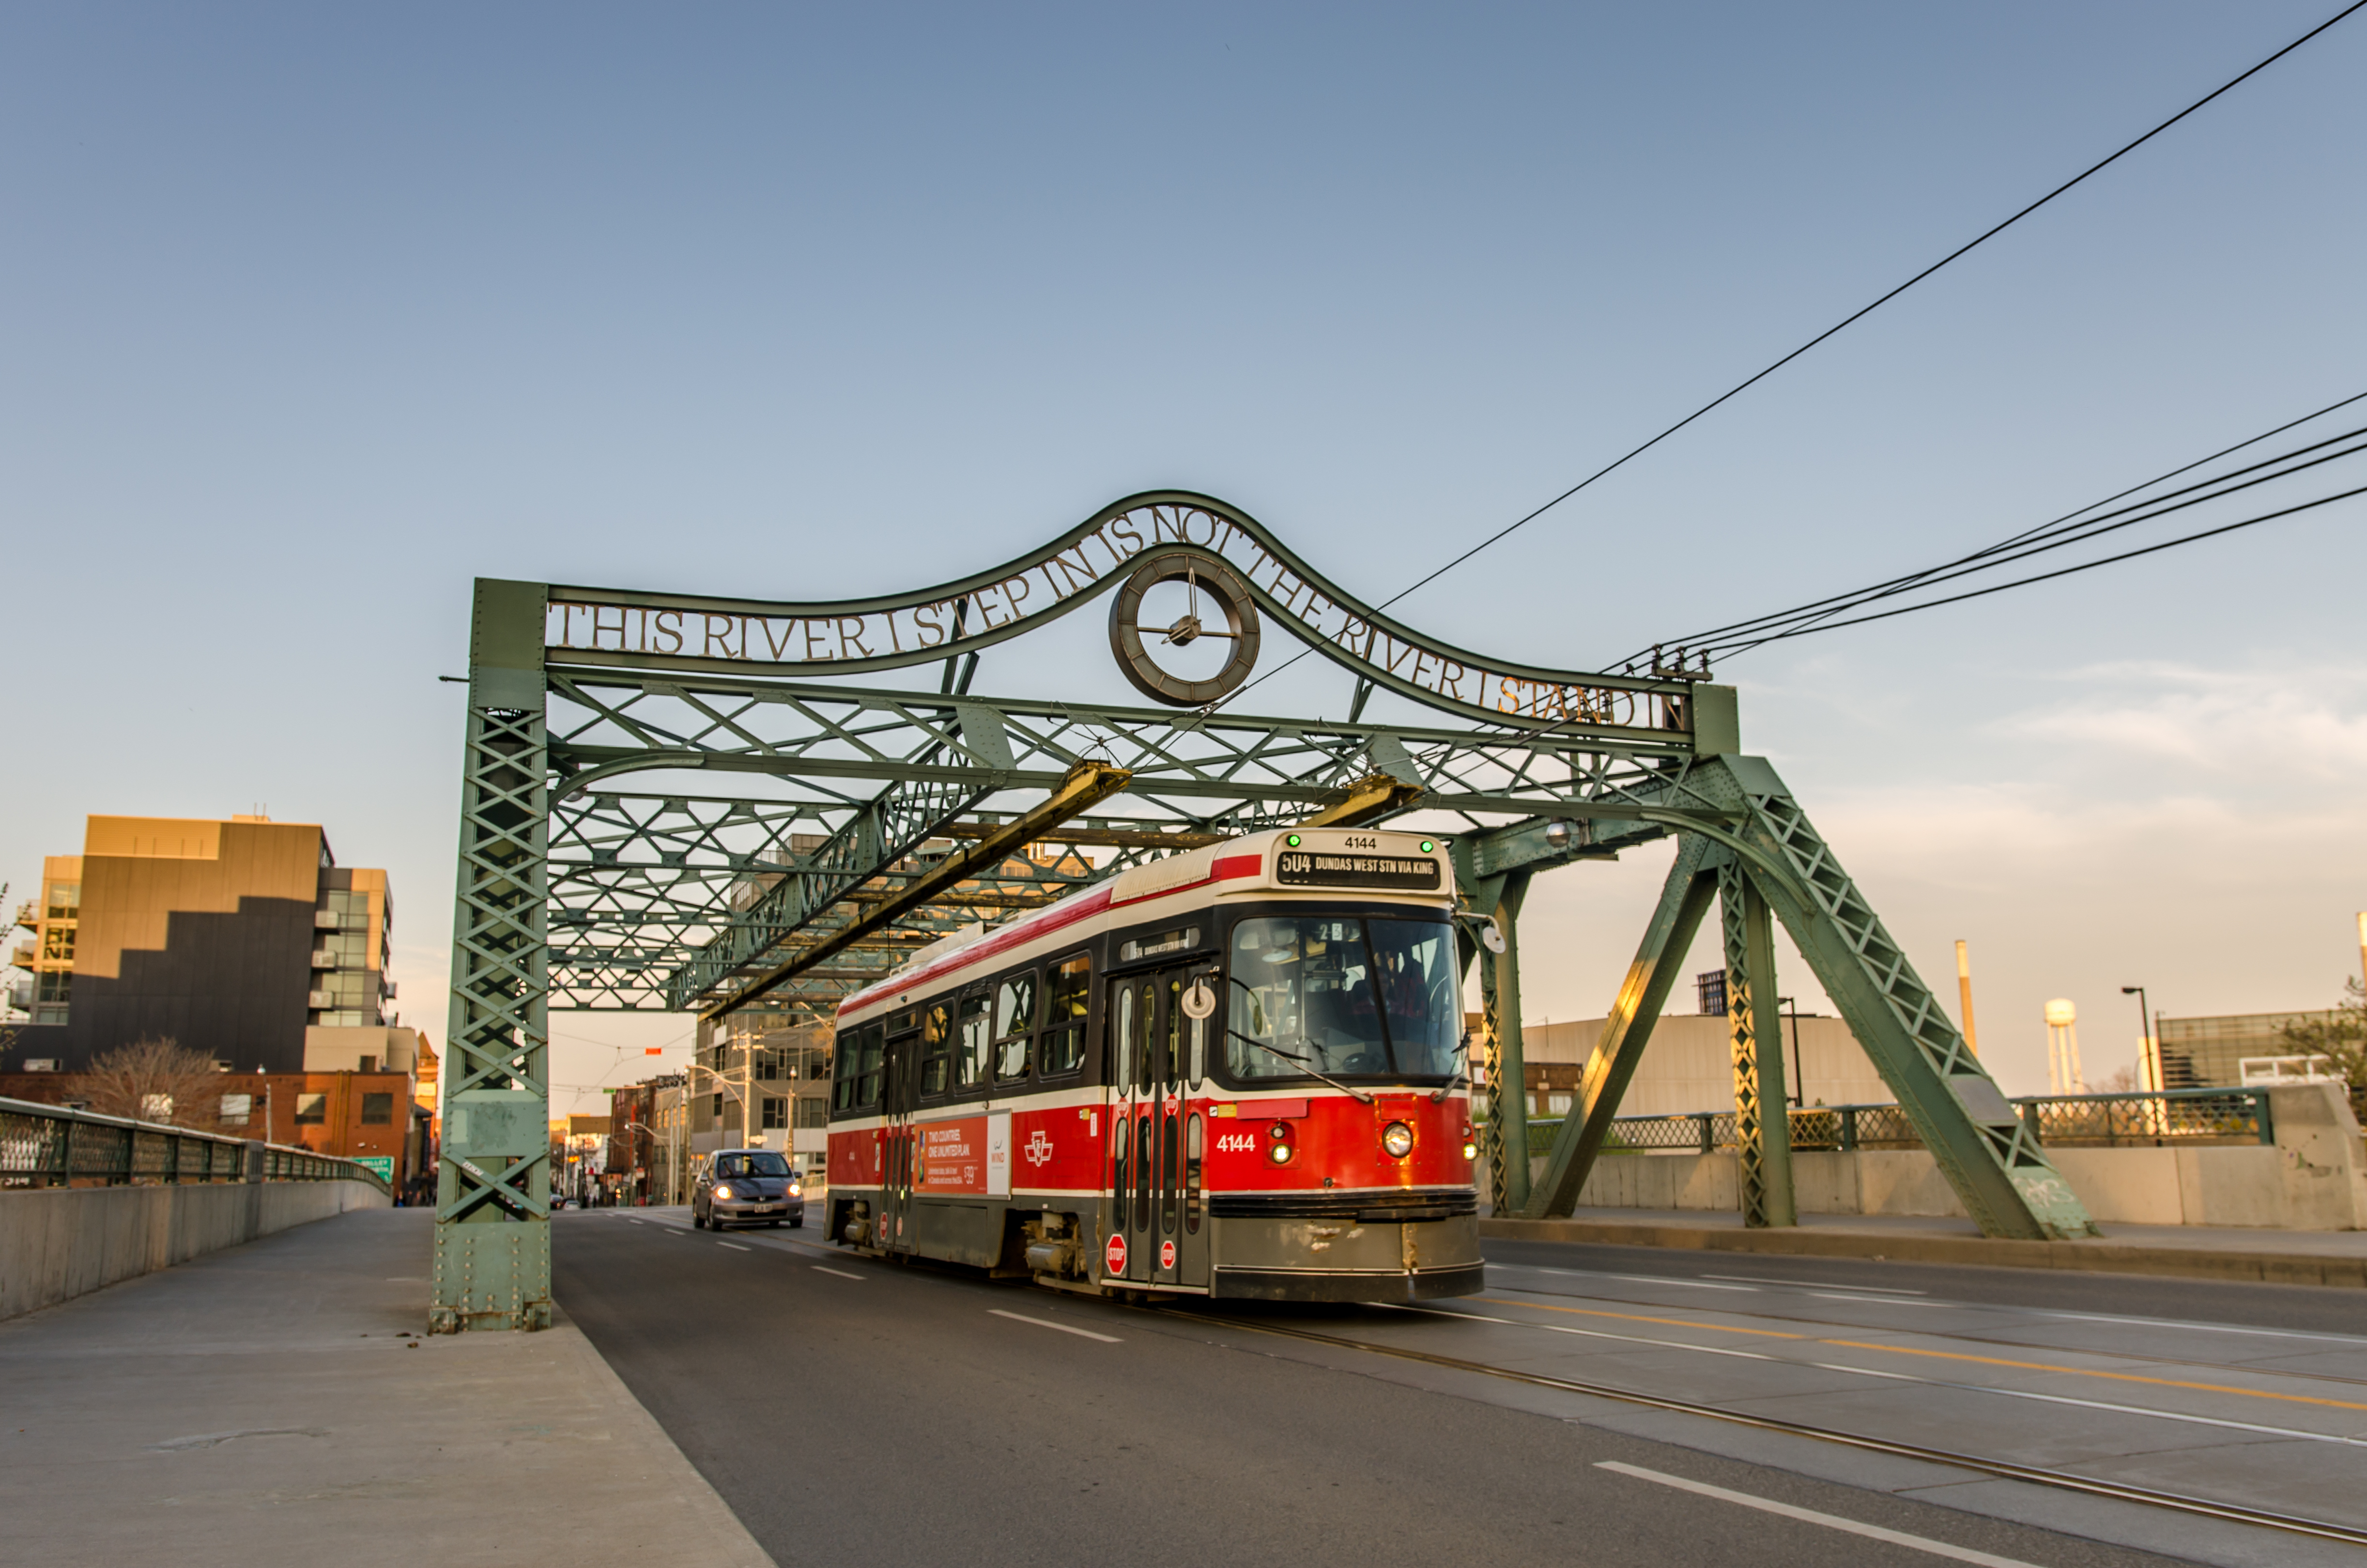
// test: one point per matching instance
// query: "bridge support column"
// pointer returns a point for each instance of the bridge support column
(493, 1198)
(1763, 1123)
(1508, 1104)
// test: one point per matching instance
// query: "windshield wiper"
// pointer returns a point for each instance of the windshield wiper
(1462, 1068)
(1290, 1056)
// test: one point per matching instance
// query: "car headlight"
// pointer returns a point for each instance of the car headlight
(724, 1193)
(1398, 1139)
(796, 1191)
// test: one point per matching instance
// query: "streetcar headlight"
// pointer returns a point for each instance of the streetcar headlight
(1471, 1150)
(1278, 1152)
(1398, 1139)
(724, 1193)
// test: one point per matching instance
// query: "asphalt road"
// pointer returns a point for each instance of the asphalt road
(853, 1411)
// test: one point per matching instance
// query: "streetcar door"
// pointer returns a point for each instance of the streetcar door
(899, 1093)
(1153, 1163)
(1195, 1043)
(1133, 1015)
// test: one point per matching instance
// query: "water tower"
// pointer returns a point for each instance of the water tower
(2063, 1073)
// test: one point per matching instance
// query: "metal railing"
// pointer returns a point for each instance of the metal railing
(2105, 1121)
(48, 1145)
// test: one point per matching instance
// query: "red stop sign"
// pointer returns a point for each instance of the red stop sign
(1167, 1254)
(1113, 1255)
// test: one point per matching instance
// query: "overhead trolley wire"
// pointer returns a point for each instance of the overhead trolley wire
(1860, 313)
(2071, 528)
(1855, 317)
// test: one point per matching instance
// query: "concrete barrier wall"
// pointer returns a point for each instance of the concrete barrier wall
(2314, 1178)
(57, 1243)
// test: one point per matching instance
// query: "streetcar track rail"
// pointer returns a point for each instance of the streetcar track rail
(2005, 1469)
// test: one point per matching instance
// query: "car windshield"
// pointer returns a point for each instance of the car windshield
(1343, 997)
(744, 1166)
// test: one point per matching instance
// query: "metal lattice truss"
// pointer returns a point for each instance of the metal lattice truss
(706, 804)
(675, 901)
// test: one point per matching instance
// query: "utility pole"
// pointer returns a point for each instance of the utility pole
(1965, 988)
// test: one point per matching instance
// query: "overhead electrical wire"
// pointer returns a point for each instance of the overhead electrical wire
(2072, 528)
(1982, 238)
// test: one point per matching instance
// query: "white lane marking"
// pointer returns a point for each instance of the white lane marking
(1821, 1284)
(842, 1273)
(1637, 1278)
(1874, 1301)
(1064, 1329)
(1894, 1377)
(2203, 1327)
(735, 1246)
(1809, 1515)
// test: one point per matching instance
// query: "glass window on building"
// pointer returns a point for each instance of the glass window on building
(776, 1113)
(811, 1111)
(236, 1108)
(55, 985)
(64, 901)
(378, 1111)
(311, 1110)
(57, 944)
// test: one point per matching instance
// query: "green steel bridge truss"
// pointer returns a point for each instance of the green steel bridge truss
(682, 804)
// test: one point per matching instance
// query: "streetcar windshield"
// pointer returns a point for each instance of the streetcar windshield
(1343, 997)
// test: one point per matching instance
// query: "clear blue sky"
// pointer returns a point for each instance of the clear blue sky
(310, 314)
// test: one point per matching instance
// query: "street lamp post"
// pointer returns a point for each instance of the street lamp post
(1799, 1084)
(653, 1134)
(2148, 1049)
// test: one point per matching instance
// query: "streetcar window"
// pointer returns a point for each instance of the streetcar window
(1121, 1039)
(1333, 996)
(1014, 1020)
(1415, 971)
(975, 1041)
(870, 1046)
(1064, 1016)
(843, 1092)
(938, 1045)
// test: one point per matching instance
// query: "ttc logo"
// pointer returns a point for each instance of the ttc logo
(1040, 1150)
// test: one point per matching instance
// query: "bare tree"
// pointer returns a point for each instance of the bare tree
(157, 1080)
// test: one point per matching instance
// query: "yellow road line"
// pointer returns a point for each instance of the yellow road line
(1939, 1354)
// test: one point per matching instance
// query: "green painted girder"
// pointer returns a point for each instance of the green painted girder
(873, 842)
(2004, 1178)
(1685, 897)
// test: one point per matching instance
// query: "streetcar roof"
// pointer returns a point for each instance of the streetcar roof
(1249, 861)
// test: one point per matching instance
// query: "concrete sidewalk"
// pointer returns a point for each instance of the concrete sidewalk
(2183, 1252)
(279, 1402)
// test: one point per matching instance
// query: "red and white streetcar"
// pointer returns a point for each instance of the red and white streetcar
(1236, 1073)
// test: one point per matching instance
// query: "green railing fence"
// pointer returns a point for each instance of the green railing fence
(2066, 1122)
(48, 1145)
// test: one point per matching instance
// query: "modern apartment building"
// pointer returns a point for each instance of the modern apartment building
(237, 937)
